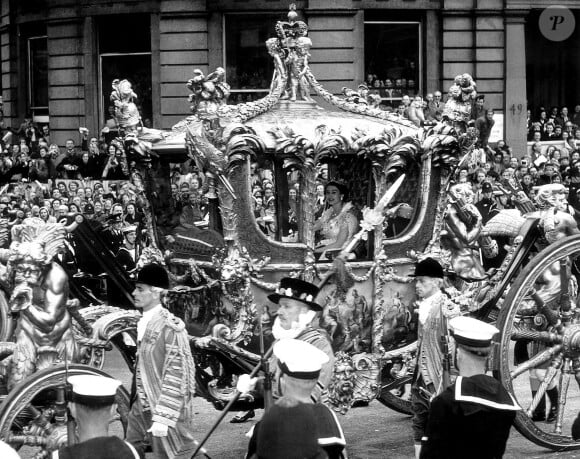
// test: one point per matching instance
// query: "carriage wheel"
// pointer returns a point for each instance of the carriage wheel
(396, 379)
(539, 345)
(28, 416)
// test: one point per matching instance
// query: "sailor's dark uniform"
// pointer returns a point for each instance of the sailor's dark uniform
(98, 448)
(330, 435)
(471, 419)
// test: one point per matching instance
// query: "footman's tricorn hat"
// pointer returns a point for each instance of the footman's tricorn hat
(154, 275)
(296, 289)
(93, 390)
(428, 267)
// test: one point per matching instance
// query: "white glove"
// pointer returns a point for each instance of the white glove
(158, 430)
(246, 384)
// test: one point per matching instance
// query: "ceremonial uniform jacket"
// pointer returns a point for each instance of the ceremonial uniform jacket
(98, 448)
(166, 380)
(318, 339)
(330, 435)
(431, 329)
(471, 419)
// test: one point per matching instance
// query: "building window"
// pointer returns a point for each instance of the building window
(37, 75)
(125, 54)
(552, 79)
(247, 62)
(393, 59)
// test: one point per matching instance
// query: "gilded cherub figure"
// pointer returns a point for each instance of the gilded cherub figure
(297, 62)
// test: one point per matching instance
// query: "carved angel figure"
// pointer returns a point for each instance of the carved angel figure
(39, 291)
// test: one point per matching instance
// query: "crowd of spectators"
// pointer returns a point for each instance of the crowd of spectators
(40, 179)
(509, 176)
(28, 154)
(556, 124)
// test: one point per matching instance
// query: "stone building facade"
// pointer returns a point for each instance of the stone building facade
(59, 56)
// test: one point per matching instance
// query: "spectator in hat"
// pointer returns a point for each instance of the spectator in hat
(433, 308)
(297, 311)
(486, 205)
(113, 234)
(164, 380)
(295, 417)
(473, 417)
(92, 406)
(89, 210)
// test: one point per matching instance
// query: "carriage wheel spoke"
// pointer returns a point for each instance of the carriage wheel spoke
(563, 395)
(538, 359)
(535, 335)
(565, 303)
(550, 375)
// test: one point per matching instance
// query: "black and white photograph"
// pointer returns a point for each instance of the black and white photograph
(309, 229)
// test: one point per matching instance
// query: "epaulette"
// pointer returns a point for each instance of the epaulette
(174, 322)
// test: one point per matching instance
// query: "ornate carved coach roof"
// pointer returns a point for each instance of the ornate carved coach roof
(288, 103)
(305, 118)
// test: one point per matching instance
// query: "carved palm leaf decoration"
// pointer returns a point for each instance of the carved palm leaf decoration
(441, 143)
(305, 155)
(390, 153)
(242, 142)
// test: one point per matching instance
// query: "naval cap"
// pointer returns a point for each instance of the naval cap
(472, 333)
(93, 390)
(129, 229)
(299, 359)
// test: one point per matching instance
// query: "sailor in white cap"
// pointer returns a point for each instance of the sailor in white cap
(92, 405)
(300, 364)
(126, 255)
(473, 417)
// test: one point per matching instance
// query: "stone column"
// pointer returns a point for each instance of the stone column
(515, 84)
